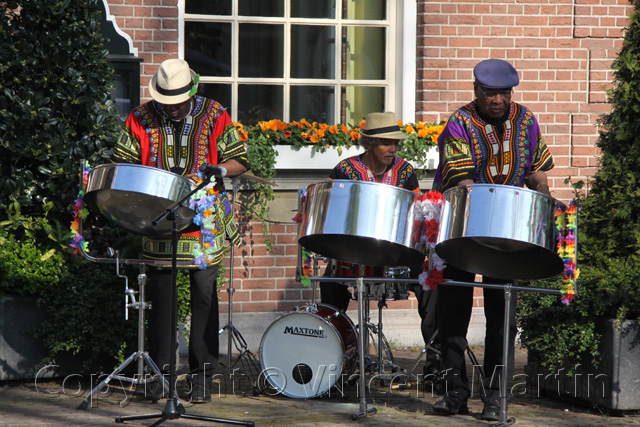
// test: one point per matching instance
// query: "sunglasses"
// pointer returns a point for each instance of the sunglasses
(492, 93)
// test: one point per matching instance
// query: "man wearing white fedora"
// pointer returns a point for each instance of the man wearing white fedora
(181, 131)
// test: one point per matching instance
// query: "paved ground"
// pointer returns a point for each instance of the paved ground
(54, 403)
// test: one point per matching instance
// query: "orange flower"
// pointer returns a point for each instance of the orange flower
(333, 129)
(304, 135)
(314, 138)
(320, 133)
(305, 122)
(362, 122)
(243, 134)
(421, 125)
(355, 135)
(281, 125)
(296, 124)
(263, 126)
(323, 126)
(422, 133)
(287, 134)
(344, 129)
(409, 129)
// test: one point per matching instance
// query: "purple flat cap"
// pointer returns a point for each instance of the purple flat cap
(495, 74)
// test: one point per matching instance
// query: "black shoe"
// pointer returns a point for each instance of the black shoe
(451, 405)
(200, 389)
(491, 411)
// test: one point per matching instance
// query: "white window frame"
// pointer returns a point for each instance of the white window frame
(400, 82)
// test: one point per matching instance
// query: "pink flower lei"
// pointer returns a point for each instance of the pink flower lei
(566, 225)
(80, 212)
(426, 228)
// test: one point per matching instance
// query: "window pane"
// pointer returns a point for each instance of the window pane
(358, 101)
(261, 52)
(261, 7)
(313, 51)
(365, 9)
(259, 102)
(364, 53)
(208, 7)
(217, 92)
(207, 48)
(314, 103)
(313, 8)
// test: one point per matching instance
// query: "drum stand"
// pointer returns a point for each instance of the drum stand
(246, 358)
(382, 345)
(140, 356)
(174, 409)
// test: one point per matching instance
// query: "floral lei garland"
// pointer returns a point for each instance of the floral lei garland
(80, 212)
(566, 224)
(426, 228)
(204, 203)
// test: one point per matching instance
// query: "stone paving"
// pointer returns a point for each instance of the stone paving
(398, 403)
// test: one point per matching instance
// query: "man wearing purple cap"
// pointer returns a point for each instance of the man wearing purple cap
(491, 140)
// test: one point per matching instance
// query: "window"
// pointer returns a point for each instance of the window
(330, 61)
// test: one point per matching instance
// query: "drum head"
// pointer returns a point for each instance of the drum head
(301, 355)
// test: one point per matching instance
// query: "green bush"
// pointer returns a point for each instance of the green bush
(56, 110)
(608, 233)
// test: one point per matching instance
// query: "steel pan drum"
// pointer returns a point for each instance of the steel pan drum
(499, 231)
(132, 196)
(362, 222)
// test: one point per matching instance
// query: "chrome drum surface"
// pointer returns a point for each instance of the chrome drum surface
(132, 196)
(499, 231)
(361, 222)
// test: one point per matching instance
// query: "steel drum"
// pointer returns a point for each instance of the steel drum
(132, 196)
(499, 231)
(359, 221)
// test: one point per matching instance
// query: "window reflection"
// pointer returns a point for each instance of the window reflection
(261, 7)
(208, 47)
(261, 51)
(208, 7)
(259, 102)
(364, 53)
(217, 92)
(366, 9)
(358, 101)
(314, 103)
(313, 8)
(313, 51)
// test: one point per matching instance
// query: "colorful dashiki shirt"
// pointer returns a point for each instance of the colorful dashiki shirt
(471, 148)
(399, 174)
(206, 135)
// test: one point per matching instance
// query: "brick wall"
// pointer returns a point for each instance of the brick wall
(562, 49)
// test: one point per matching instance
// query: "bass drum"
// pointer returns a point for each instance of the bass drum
(306, 352)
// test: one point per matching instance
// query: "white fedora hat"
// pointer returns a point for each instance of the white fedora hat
(174, 82)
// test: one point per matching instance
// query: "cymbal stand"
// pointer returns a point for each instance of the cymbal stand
(246, 358)
(141, 355)
(174, 409)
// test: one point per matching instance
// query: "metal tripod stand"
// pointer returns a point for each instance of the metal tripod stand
(139, 356)
(245, 357)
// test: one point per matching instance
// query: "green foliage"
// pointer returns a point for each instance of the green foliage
(55, 110)
(55, 102)
(608, 231)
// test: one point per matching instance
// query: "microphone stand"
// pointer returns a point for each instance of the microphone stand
(174, 409)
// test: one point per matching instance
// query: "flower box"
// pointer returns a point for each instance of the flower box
(292, 158)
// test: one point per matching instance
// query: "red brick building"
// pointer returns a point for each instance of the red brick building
(411, 57)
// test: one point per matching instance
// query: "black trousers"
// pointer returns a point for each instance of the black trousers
(338, 295)
(203, 336)
(455, 305)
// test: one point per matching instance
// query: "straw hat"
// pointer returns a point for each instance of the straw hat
(382, 125)
(174, 82)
